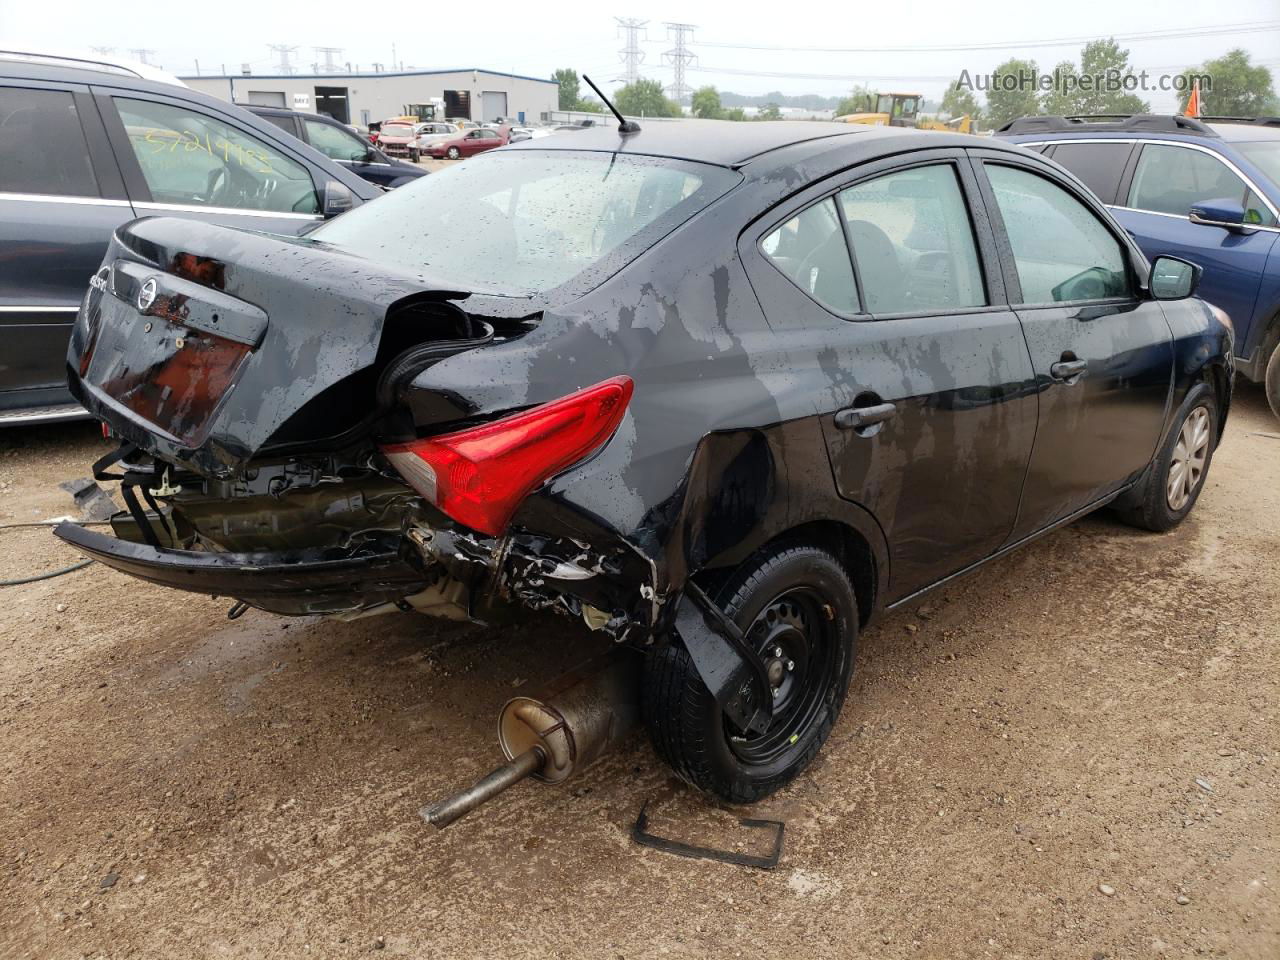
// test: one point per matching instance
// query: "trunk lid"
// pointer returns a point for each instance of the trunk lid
(198, 342)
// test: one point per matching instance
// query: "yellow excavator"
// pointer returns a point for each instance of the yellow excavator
(902, 110)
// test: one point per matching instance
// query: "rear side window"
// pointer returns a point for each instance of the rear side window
(334, 143)
(1098, 165)
(192, 159)
(1171, 179)
(913, 242)
(42, 146)
(1062, 251)
(809, 249)
(284, 123)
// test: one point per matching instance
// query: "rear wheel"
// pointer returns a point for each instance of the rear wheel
(1176, 477)
(797, 608)
(1272, 380)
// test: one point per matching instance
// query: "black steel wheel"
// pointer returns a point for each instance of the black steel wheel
(797, 607)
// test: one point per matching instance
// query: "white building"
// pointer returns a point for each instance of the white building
(363, 98)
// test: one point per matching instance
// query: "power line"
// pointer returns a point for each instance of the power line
(141, 54)
(680, 58)
(285, 53)
(631, 55)
(1165, 34)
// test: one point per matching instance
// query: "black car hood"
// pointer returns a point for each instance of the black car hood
(234, 332)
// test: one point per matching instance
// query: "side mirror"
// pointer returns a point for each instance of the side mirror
(1221, 212)
(1173, 278)
(335, 199)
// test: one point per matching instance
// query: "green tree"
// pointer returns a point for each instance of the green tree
(1063, 99)
(706, 103)
(645, 98)
(735, 113)
(589, 105)
(1236, 88)
(958, 102)
(1012, 92)
(861, 99)
(770, 111)
(1104, 60)
(569, 88)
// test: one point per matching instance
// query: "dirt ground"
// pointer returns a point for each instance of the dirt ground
(1071, 753)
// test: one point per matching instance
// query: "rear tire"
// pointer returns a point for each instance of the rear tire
(1173, 482)
(1272, 380)
(797, 599)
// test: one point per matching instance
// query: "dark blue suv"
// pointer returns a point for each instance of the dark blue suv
(1207, 190)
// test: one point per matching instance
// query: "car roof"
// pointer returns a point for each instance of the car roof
(723, 142)
(730, 143)
(1246, 131)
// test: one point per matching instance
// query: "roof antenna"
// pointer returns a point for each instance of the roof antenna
(625, 127)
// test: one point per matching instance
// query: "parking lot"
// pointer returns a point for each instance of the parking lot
(1071, 753)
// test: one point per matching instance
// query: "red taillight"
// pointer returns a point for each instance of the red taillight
(479, 476)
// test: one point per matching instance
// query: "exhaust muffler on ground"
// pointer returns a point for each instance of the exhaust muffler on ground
(556, 733)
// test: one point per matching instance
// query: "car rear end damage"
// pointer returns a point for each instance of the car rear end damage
(278, 448)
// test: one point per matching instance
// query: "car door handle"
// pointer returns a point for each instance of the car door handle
(1068, 371)
(852, 418)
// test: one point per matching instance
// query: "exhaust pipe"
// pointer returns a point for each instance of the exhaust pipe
(553, 735)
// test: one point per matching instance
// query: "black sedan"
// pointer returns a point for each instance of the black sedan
(722, 391)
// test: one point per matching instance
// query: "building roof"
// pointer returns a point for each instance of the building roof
(363, 74)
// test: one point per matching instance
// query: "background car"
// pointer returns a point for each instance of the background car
(468, 143)
(340, 144)
(1206, 189)
(398, 138)
(83, 151)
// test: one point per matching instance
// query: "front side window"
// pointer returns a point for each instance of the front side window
(1172, 179)
(523, 222)
(42, 147)
(334, 143)
(1062, 251)
(913, 242)
(810, 251)
(192, 159)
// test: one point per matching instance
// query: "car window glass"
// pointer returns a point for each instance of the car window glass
(1256, 212)
(1171, 179)
(810, 251)
(1098, 165)
(192, 159)
(42, 147)
(913, 242)
(1062, 251)
(334, 143)
(284, 123)
(526, 221)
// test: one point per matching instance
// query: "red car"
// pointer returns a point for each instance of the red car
(468, 142)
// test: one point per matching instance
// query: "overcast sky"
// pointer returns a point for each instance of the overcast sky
(535, 38)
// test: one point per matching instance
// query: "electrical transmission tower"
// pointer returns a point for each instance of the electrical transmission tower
(680, 58)
(631, 55)
(143, 55)
(331, 57)
(285, 54)
(103, 50)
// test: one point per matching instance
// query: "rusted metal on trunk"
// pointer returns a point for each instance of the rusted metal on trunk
(554, 734)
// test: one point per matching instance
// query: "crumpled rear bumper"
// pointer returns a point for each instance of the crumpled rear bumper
(304, 582)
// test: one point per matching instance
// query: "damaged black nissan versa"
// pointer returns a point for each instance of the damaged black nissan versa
(721, 391)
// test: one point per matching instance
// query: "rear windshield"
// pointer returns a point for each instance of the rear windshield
(526, 221)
